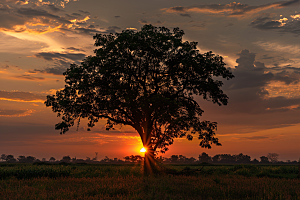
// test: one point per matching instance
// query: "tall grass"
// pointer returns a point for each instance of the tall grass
(127, 182)
(167, 187)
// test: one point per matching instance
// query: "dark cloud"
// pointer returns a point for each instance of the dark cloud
(249, 73)
(199, 25)
(75, 49)
(281, 24)
(142, 21)
(91, 30)
(31, 71)
(87, 31)
(21, 96)
(45, 16)
(31, 13)
(53, 8)
(52, 55)
(12, 16)
(265, 23)
(5, 67)
(84, 12)
(14, 113)
(11, 66)
(29, 77)
(288, 3)
(288, 77)
(76, 14)
(232, 9)
(179, 8)
(58, 70)
(112, 29)
(185, 15)
(117, 16)
(229, 24)
(61, 61)
(247, 91)
(11, 112)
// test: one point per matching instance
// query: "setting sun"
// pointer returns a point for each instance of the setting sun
(143, 150)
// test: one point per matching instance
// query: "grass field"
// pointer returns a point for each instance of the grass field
(27, 181)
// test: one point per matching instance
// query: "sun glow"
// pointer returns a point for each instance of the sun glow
(143, 150)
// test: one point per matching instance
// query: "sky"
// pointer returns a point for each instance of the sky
(259, 41)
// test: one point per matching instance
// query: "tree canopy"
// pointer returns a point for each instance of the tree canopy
(147, 80)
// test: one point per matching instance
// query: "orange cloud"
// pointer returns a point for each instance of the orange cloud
(15, 113)
(233, 9)
(279, 88)
(21, 97)
(29, 77)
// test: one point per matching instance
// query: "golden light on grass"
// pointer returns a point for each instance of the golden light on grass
(143, 150)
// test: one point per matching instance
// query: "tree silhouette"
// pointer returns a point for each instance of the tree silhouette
(273, 157)
(3, 157)
(264, 159)
(66, 159)
(148, 80)
(174, 158)
(10, 158)
(21, 159)
(204, 157)
(52, 159)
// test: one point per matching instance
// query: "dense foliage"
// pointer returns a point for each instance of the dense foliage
(145, 79)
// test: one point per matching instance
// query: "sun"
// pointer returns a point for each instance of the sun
(143, 150)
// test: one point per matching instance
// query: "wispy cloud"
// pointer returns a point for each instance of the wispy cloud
(21, 97)
(29, 77)
(55, 55)
(15, 113)
(233, 9)
(61, 61)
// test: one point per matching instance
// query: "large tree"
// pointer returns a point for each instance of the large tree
(147, 80)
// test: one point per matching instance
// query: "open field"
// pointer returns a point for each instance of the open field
(26, 181)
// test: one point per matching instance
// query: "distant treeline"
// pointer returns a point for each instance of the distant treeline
(174, 159)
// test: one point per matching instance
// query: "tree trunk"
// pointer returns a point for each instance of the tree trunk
(149, 162)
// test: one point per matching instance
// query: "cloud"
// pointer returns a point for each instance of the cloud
(278, 47)
(21, 96)
(84, 12)
(74, 49)
(40, 18)
(92, 30)
(87, 31)
(61, 61)
(53, 55)
(58, 70)
(288, 90)
(35, 20)
(142, 21)
(185, 15)
(29, 77)
(112, 29)
(290, 24)
(15, 113)
(249, 93)
(233, 9)
(53, 8)
(251, 79)
(256, 137)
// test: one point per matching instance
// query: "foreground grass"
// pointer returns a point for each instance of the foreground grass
(127, 182)
(131, 187)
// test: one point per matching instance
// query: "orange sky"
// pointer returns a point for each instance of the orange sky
(259, 41)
